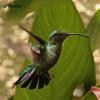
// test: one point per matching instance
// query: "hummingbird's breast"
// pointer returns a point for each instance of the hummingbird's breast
(53, 53)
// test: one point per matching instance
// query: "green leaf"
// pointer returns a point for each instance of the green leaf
(89, 96)
(75, 64)
(93, 30)
(26, 6)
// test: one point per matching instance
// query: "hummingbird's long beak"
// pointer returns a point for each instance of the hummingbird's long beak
(68, 34)
(65, 34)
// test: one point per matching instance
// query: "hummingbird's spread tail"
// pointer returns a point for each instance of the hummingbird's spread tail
(33, 78)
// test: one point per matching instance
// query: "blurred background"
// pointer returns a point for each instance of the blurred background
(11, 60)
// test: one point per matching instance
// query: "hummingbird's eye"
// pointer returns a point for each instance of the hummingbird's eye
(56, 35)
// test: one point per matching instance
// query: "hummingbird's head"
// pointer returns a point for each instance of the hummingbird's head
(57, 37)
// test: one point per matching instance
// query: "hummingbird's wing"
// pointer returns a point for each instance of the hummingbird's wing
(41, 41)
(24, 49)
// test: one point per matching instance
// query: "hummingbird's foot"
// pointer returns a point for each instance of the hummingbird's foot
(52, 76)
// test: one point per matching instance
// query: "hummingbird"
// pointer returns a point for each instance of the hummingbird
(45, 56)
